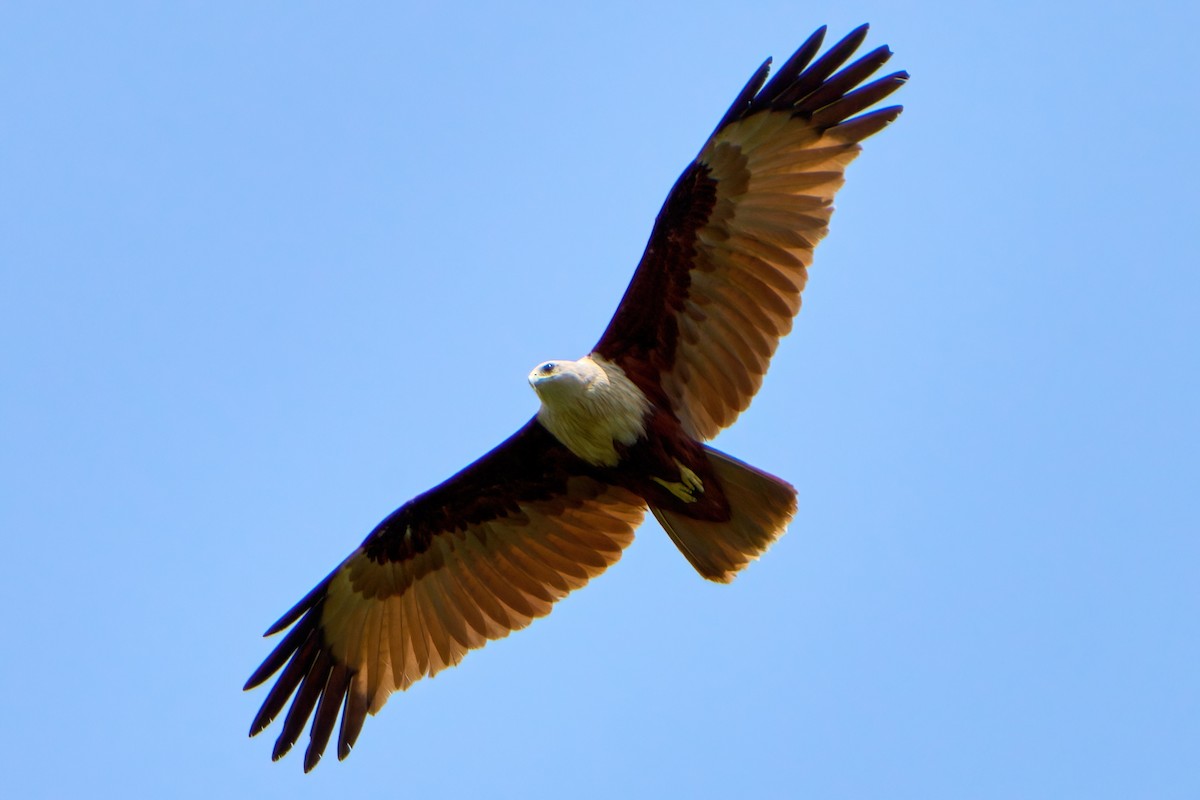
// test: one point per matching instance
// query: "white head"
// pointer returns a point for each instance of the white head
(590, 405)
(559, 381)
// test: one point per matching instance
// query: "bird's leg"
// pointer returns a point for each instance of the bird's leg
(687, 487)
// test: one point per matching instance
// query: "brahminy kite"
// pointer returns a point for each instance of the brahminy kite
(618, 431)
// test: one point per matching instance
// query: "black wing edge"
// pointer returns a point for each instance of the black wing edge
(315, 677)
(805, 87)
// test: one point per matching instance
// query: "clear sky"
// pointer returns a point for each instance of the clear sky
(267, 270)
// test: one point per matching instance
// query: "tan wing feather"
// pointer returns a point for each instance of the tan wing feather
(777, 177)
(377, 628)
(395, 623)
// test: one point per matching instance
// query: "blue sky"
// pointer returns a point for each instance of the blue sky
(268, 270)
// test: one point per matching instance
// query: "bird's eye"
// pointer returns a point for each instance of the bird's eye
(547, 368)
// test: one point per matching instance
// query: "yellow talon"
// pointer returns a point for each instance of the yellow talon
(687, 487)
(691, 479)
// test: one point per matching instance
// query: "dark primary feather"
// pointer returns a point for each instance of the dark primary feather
(797, 92)
(793, 66)
(742, 102)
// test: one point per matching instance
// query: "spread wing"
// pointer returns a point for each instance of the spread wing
(469, 561)
(719, 283)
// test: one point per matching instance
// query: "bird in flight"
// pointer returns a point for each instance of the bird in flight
(618, 431)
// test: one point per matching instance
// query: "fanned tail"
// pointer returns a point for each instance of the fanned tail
(761, 506)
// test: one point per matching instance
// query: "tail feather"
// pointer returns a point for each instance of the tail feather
(761, 505)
